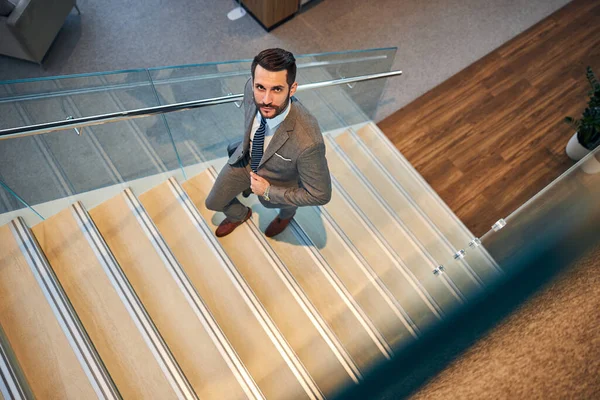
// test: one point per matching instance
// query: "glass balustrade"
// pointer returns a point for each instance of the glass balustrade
(43, 168)
(67, 164)
(202, 134)
(556, 226)
(11, 203)
(436, 266)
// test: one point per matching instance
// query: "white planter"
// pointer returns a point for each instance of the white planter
(576, 152)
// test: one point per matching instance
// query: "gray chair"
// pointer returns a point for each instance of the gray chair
(29, 29)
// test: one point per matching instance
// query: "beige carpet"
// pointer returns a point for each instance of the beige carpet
(435, 38)
(549, 348)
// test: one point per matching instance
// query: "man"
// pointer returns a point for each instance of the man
(282, 156)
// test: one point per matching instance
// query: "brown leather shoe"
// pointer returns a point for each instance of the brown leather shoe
(277, 226)
(226, 227)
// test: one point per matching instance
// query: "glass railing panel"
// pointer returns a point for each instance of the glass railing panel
(58, 167)
(30, 169)
(55, 99)
(434, 300)
(13, 205)
(70, 162)
(355, 102)
(559, 224)
(194, 82)
(65, 163)
(201, 134)
(483, 265)
(8, 201)
(451, 277)
(189, 80)
(325, 114)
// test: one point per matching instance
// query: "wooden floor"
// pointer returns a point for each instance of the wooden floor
(492, 136)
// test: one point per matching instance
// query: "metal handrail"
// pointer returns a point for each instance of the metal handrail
(46, 127)
(170, 81)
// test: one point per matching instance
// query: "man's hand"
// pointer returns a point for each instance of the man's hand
(258, 184)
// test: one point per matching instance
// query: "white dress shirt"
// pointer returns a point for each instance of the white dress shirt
(272, 125)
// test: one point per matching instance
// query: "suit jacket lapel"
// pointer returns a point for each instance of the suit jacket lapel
(250, 112)
(281, 135)
(250, 109)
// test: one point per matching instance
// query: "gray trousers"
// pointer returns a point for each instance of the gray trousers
(233, 180)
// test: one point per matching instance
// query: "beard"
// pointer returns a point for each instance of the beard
(277, 108)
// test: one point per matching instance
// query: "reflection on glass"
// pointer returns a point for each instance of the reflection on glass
(70, 162)
(64, 163)
(11, 201)
(562, 220)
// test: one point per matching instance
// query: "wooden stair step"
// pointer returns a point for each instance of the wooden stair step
(440, 292)
(420, 313)
(49, 360)
(13, 384)
(225, 293)
(179, 313)
(407, 177)
(424, 232)
(280, 295)
(365, 347)
(126, 339)
(356, 276)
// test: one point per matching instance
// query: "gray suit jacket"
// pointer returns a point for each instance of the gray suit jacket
(294, 162)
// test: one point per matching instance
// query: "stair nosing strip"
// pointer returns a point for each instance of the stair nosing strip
(321, 325)
(447, 280)
(274, 261)
(134, 306)
(384, 244)
(343, 292)
(64, 313)
(428, 188)
(426, 220)
(11, 385)
(194, 299)
(362, 178)
(246, 292)
(366, 268)
(324, 329)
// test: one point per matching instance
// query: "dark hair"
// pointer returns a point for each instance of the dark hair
(276, 60)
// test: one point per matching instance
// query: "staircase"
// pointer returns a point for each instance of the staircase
(136, 298)
(125, 292)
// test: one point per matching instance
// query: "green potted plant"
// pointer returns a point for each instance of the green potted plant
(587, 128)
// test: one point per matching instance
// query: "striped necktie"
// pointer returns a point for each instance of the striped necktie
(257, 145)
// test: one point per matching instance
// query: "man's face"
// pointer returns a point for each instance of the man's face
(271, 91)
